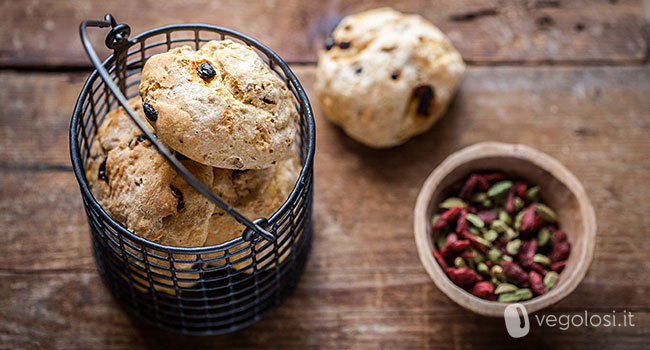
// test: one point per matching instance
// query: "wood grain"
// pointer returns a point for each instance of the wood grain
(364, 286)
(43, 33)
(330, 309)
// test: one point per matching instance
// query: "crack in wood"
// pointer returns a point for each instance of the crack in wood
(472, 15)
(13, 167)
(547, 4)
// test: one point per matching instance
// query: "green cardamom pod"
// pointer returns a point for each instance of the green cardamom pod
(471, 264)
(452, 202)
(491, 235)
(518, 204)
(542, 259)
(505, 288)
(533, 193)
(478, 256)
(478, 197)
(459, 262)
(508, 298)
(484, 242)
(524, 293)
(543, 237)
(499, 189)
(510, 234)
(498, 226)
(506, 258)
(513, 246)
(550, 280)
(518, 219)
(494, 255)
(505, 217)
(496, 271)
(474, 231)
(487, 203)
(545, 212)
(483, 269)
(474, 220)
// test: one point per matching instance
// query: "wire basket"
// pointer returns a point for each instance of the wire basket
(202, 290)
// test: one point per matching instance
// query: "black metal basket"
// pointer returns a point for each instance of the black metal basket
(203, 290)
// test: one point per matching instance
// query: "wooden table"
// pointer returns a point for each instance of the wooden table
(570, 78)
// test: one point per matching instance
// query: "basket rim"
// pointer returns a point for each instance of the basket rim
(306, 173)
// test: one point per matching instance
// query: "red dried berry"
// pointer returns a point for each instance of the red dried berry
(536, 283)
(521, 190)
(530, 222)
(468, 188)
(560, 251)
(482, 289)
(447, 217)
(454, 249)
(527, 219)
(528, 248)
(468, 236)
(509, 205)
(494, 177)
(528, 264)
(514, 273)
(558, 266)
(487, 216)
(500, 243)
(558, 236)
(467, 255)
(482, 183)
(461, 223)
(440, 260)
(463, 276)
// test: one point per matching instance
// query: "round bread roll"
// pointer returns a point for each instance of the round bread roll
(385, 76)
(139, 189)
(221, 105)
(254, 193)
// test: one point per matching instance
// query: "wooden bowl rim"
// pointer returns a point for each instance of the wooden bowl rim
(523, 153)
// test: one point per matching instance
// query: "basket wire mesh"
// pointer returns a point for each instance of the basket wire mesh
(200, 290)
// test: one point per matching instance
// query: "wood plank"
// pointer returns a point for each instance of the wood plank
(364, 286)
(74, 310)
(595, 122)
(42, 33)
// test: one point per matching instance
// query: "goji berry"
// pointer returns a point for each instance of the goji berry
(483, 289)
(536, 283)
(447, 217)
(463, 276)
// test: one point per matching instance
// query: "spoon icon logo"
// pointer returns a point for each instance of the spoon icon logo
(516, 319)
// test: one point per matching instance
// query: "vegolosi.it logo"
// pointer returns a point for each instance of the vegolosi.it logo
(517, 322)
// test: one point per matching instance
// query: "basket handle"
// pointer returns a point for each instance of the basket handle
(118, 40)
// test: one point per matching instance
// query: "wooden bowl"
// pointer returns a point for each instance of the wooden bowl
(560, 190)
